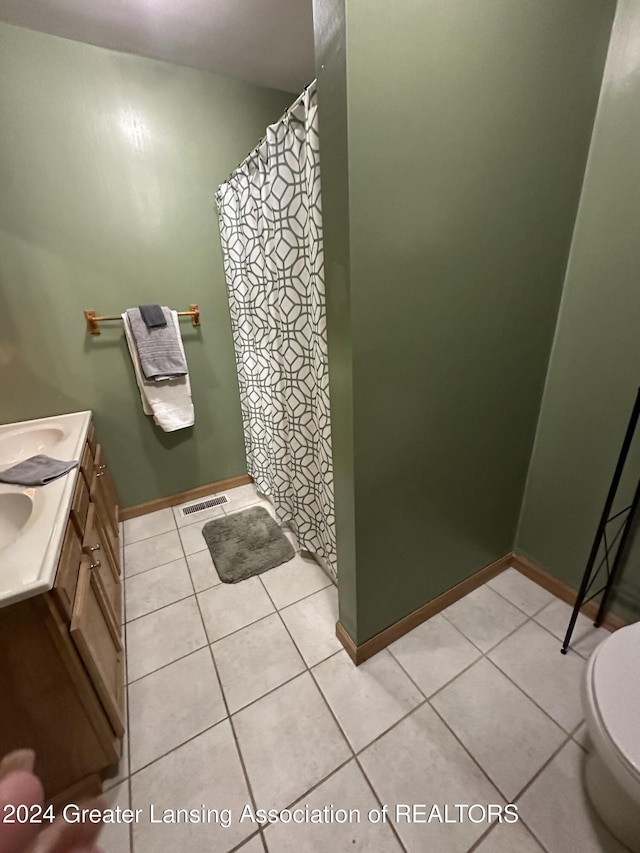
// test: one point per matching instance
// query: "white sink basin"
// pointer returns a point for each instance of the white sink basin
(15, 512)
(33, 521)
(23, 442)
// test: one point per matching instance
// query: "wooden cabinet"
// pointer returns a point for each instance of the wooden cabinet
(103, 562)
(98, 640)
(103, 496)
(61, 653)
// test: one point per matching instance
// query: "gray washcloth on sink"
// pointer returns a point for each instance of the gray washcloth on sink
(158, 349)
(153, 316)
(36, 471)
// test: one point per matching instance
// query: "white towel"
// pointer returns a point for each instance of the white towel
(168, 400)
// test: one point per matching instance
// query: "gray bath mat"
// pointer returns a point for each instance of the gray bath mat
(246, 543)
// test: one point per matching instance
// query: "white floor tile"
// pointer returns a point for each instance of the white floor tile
(509, 838)
(420, 761)
(145, 526)
(192, 538)
(242, 496)
(347, 789)
(172, 705)
(164, 636)
(367, 699)
(203, 515)
(255, 660)
(289, 742)
(206, 770)
(509, 736)
(231, 606)
(312, 623)
(156, 588)
(231, 509)
(519, 590)
(152, 552)
(203, 572)
(558, 812)
(114, 837)
(294, 580)
(434, 653)
(531, 658)
(555, 618)
(484, 617)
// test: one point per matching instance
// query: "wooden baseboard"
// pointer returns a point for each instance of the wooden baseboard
(182, 497)
(563, 591)
(363, 651)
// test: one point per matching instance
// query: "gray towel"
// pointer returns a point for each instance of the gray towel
(36, 471)
(159, 349)
(153, 316)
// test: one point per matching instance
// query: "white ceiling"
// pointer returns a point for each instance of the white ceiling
(269, 42)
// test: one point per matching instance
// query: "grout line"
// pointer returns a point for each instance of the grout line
(337, 723)
(240, 846)
(451, 680)
(178, 746)
(158, 609)
(159, 566)
(517, 606)
(473, 643)
(544, 847)
(150, 536)
(558, 640)
(234, 734)
(217, 640)
(354, 755)
(475, 761)
(340, 728)
(485, 834)
(506, 675)
(544, 766)
(530, 698)
(378, 799)
(304, 597)
(165, 665)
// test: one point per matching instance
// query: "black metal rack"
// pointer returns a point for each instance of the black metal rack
(625, 519)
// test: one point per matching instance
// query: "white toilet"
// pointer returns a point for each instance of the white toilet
(611, 702)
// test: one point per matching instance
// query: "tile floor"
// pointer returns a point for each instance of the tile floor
(241, 694)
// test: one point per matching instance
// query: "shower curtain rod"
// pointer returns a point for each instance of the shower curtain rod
(262, 139)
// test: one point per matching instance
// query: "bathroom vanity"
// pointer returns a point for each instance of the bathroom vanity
(61, 652)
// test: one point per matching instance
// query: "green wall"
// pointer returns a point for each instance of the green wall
(595, 365)
(330, 48)
(108, 168)
(468, 127)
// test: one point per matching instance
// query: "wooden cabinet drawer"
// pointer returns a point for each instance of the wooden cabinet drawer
(96, 546)
(80, 506)
(98, 644)
(64, 588)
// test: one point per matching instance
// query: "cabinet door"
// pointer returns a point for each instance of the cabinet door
(111, 534)
(64, 587)
(96, 546)
(107, 489)
(99, 645)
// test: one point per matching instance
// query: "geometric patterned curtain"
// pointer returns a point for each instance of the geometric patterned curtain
(271, 233)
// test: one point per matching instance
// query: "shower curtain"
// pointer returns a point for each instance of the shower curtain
(271, 232)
